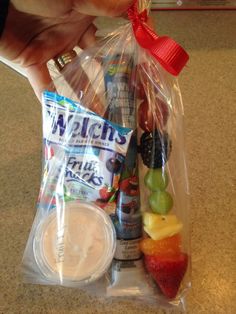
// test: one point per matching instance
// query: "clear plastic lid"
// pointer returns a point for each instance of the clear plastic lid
(76, 244)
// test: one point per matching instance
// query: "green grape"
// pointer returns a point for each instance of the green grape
(156, 179)
(161, 202)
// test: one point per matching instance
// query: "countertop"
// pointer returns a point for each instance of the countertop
(208, 90)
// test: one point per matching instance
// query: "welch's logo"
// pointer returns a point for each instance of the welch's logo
(87, 127)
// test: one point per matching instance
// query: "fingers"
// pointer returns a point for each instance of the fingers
(39, 78)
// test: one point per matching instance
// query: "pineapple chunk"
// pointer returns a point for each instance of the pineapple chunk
(154, 220)
(161, 226)
(165, 232)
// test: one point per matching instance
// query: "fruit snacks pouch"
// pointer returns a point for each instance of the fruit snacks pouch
(84, 150)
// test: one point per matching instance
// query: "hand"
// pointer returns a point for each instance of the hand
(37, 31)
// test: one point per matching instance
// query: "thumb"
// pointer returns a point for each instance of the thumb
(40, 79)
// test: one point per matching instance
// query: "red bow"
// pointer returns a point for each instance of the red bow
(164, 49)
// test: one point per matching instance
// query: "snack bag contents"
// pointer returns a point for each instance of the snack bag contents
(73, 238)
(112, 213)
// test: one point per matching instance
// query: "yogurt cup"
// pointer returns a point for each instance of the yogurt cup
(75, 244)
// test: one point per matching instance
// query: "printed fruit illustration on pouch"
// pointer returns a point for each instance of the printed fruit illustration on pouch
(106, 193)
(130, 186)
(152, 116)
(161, 226)
(168, 271)
(129, 208)
(113, 165)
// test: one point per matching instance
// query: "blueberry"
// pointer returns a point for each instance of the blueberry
(126, 209)
(113, 165)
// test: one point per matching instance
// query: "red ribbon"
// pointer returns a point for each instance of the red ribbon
(164, 49)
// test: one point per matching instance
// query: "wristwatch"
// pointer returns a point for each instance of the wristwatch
(4, 4)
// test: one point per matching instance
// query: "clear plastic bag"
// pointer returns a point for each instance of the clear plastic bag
(113, 212)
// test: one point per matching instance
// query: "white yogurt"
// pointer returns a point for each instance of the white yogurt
(75, 244)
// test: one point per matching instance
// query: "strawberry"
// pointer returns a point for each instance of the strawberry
(106, 193)
(130, 186)
(168, 271)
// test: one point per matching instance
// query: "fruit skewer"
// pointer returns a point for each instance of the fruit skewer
(163, 256)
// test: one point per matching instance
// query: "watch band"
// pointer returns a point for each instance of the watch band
(4, 4)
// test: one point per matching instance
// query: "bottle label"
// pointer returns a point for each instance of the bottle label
(127, 249)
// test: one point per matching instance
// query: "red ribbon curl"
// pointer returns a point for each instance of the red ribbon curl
(164, 49)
